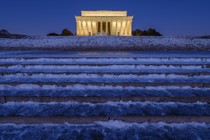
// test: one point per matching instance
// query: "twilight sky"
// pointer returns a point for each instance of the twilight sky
(170, 17)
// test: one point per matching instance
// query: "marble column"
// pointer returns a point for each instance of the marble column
(128, 28)
(93, 27)
(119, 25)
(125, 31)
(85, 27)
(78, 33)
(123, 28)
(79, 28)
(130, 32)
(115, 31)
(114, 24)
(89, 27)
(82, 28)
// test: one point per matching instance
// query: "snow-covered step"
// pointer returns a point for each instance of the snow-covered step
(88, 120)
(102, 99)
(108, 73)
(123, 84)
(105, 109)
(5, 73)
(99, 65)
(25, 61)
(110, 68)
(104, 90)
(103, 54)
(104, 78)
(104, 130)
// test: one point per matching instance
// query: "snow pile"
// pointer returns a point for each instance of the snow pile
(108, 78)
(105, 61)
(107, 43)
(109, 108)
(115, 130)
(105, 68)
(89, 87)
(121, 124)
(103, 90)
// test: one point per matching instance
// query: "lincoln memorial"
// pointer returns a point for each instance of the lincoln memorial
(113, 23)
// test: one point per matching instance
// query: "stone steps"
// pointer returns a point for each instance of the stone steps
(88, 120)
(105, 69)
(102, 99)
(116, 108)
(118, 85)
(103, 54)
(106, 79)
(113, 73)
(101, 65)
(123, 84)
(104, 61)
(103, 91)
(87, 94)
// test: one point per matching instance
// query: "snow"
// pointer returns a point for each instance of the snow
(110, 68)
(50, 53)
(87, 87)
(97, 67)
(107, 43)
(71, 66)
(106, 130)
(118, 124)
(121, 124)
(105, 61)
(103, 90)
(109, 108)
(122, 78)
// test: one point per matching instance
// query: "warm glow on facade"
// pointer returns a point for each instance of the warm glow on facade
(114, 23)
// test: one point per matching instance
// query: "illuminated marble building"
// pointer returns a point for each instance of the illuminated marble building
(113, 23)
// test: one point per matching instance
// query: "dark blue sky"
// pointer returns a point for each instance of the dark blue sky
(170, 17)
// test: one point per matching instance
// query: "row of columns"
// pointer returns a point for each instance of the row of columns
(86, 28)
(123, 28)
(89, 28)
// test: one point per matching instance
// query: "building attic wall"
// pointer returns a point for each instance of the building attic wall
(104, 13)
